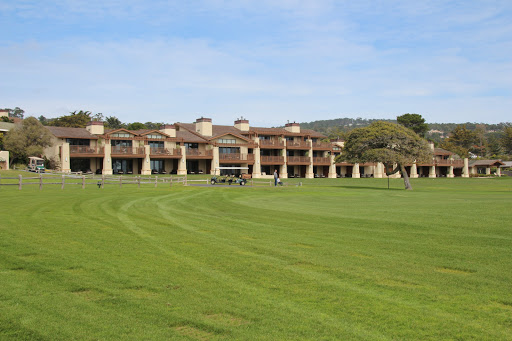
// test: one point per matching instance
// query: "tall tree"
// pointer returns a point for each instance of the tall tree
(136, 126)
(113, 122)
(414, 122)
(74, 119)
(506, 140)
(391, 144)
(28, 138)
(16, 112)
(461, 141)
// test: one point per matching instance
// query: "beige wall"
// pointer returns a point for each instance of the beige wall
(5, 156)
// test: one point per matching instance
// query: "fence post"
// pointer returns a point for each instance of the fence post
(120, 181)
(20, 182)
(156, 180)
(138, 180)
(40, 181)
(83, 181)
(63, 180)
(102, 180)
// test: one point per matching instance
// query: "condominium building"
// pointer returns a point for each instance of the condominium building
(204, 148)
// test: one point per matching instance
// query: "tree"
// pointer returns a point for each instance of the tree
(414, 122)
(136, 126)
(506, 140)
(16, 112)
(74, 119)
(460, 141)
(113, 122)
(389, 143)
(28, 138)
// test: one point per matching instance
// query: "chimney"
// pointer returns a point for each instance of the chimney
(168, 129)
(95, 127)
(242, 124)
(292, 127)
(204, 126)
(431, 145)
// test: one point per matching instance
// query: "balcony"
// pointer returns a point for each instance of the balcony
(272, 160)
(298, 160)
(130, 152)
(236, 158)
(297, 145)
(448, 162)
(194, 153)
(75, 151)
(321, 160)
(322, 146)
(271, 144)
(165, 153)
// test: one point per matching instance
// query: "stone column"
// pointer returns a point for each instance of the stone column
(432, 172)
(146, 164)
(332, 167)
(309, 168)
(414, 171)
(256, 169)
(182, 163)
(450, 172)
(64, 158)
(498, 171)
(215, 160)
(283, 169)
(379, 170)
(487, 170)
(355, 171)
(465, 170)
(107, 160)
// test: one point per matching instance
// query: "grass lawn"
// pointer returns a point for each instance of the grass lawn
(333, 259)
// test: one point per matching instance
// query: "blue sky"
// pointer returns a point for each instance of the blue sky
(269, 61)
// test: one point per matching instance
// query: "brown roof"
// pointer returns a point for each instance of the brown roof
(74, 133)
(441, 151)
(485, 163)
(282, 131)
(189, 137)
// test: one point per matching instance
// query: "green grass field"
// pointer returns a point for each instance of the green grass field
(333, 259)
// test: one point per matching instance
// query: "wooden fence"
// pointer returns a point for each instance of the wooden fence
(87, 180)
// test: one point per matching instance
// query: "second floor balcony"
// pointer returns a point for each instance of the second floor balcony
(127, 151)
(322, 146)
(297, 145)
(272, 160)
(86, 151)
(271, 144)
(236, 158)
(165, 152)
(298, 160)
(195, 153)
(317, 160)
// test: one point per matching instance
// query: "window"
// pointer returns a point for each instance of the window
(231, 141)
(289, 138)
(121, 143)
(154, 136)
(121, 135)
(229, 150)
(264, 137)
(156, 144)
(191, 145)
(78, 142)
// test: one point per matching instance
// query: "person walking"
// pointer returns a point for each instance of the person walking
(275, 177)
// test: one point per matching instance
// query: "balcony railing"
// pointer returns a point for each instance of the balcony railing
(86, 150)
(322, 145)
(198, 152)
(128, 150)
(298, 159)
(272, 159)
(455, 163)
(321, 160)
(236, 157)
(271, 144)
(297, 144)
(165, 151)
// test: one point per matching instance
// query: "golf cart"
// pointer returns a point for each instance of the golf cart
(217, 179)
(36, 164)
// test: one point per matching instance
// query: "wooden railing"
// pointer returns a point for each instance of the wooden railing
(128, 150)
(301, 159)
(86, 150)
(449, 162)
(322, 145)
(298, 144)
(165, 151)
(272, 159)
(321, 160)
(197, 152)
(236, 157)
(271, 143)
